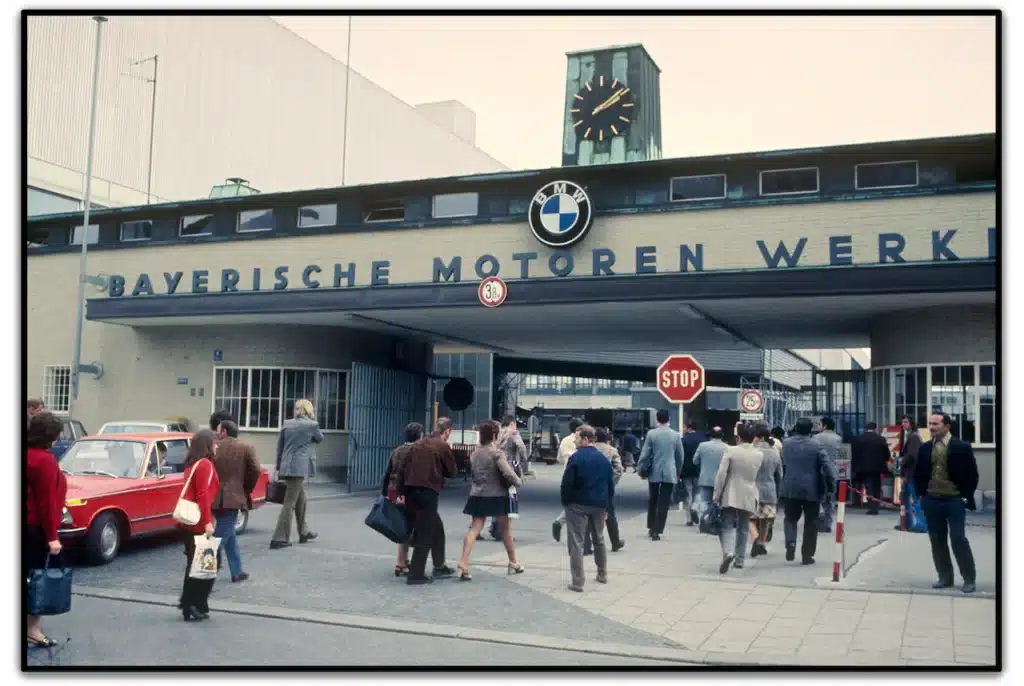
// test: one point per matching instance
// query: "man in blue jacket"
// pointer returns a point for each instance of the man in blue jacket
(588, 486)
(946, 476)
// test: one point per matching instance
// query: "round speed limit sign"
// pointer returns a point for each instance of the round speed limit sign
(492, 291)
(752, 401)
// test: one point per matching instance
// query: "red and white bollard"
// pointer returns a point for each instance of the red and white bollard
(837, 566)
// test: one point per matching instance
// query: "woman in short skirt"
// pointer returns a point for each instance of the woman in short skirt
(488, 497)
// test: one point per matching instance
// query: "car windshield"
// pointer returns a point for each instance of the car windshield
(104, 458)
(131, 428)
(464, 438)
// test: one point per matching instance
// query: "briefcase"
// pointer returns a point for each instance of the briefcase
(389, 520)
(275, 492)
(49, 590)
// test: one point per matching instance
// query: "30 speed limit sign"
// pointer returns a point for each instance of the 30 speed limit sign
(492, 291)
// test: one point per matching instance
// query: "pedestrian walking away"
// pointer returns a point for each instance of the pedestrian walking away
(806, 476)
(909, 447)
(565, 449)
(489, 497)
(389, 487)
(238, 470)
(832, 443)
(201, 487)
(429, 463)
(603, 442)
(707, 459)
(296, 462)
(769, 480)
(511, 443)
(946, 474)
(661, 463)
(588, 487)
(686, 491)
(737, 494)
(46, 487)
(869, 459)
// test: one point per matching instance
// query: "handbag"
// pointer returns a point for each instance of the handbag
(187, 512)
(49, 590)
(513, 503)
(389, 519)
(711, 520)
(204, 559)
(276, 491)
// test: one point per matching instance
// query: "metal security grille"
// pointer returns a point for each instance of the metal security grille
(381, 403)
(57, 387)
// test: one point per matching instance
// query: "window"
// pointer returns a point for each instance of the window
(911, 395)
(196, 225)
(384, 211)
(987, 397)
(263, 397)
(789, 181)
(886, 175)
(456, 205)
(954, 392)
(167, 457)
(44, 202)
(880, 388)
(255, 220)
(690, 188)
(93, 234)
(141, 230)
(312, 216)
(57, 387)
(517, 206)
(976, 170)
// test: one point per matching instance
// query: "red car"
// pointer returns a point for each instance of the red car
(126, 486)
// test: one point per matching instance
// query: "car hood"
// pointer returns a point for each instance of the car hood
(84, 487)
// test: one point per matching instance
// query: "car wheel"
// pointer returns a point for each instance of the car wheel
(241, 522)
(103, 542)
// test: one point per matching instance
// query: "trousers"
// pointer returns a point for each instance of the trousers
(194, 592)
(658, 501)
(734, 532)
(428, 530)
(947, 517)
(225, 531)
(294, 501)
(580, 520)
(793, 510)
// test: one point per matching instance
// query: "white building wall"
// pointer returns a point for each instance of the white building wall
(236, 96)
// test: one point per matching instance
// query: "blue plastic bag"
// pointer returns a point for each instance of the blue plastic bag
(49, 590)
(915, 521)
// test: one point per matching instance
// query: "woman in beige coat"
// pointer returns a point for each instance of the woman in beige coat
(488, 497)
(736, 493)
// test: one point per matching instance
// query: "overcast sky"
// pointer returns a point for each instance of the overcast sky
(727, 84)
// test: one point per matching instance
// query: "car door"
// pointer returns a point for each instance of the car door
(165, 487)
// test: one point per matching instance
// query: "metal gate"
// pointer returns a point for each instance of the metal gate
(381, 403)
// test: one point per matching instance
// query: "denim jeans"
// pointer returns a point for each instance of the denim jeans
(225, 531)
(733, 536)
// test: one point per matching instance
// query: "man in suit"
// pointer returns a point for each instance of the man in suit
(707, 459)
(808, 474)
(869, 455)
(946, 476)
(686, 489)
(661, 463)
(832, 444)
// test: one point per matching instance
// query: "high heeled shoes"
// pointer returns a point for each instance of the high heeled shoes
(515, 569)
(401, 570)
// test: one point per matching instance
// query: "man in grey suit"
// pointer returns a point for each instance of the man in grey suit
(708, 458)
(831, 442)
(661, 463)
(807, 475)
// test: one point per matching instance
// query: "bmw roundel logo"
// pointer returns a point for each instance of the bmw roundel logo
(560, 214)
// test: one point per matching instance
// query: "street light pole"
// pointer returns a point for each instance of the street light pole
(155, 59)
(76, 367)
(348, 78)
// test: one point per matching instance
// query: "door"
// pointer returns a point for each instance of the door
(381, 403)
(163, 481)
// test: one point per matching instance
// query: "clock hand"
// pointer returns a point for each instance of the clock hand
(609, 102)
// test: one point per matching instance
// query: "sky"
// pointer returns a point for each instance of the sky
(728, 84)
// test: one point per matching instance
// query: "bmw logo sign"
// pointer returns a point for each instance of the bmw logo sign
(560, 214)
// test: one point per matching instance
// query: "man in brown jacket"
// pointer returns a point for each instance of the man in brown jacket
(430, 461)
(238, 469)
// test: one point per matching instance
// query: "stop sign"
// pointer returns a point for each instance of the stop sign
(680, 378)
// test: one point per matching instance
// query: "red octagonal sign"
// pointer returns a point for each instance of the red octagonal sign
(680, 378)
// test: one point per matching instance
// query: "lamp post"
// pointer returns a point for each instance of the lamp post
(155, 59)
(83, 277)
(348, 78)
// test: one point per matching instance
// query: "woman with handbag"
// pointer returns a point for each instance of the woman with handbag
(489, 497)
(44, 501)
(194, 515)
(389, 487)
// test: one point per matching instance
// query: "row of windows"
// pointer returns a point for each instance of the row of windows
(534, 383)
(261, 397)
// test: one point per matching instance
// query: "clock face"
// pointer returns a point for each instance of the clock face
(602, 109)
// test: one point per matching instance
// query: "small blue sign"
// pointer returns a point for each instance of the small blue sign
(183, 381)
(218, 355)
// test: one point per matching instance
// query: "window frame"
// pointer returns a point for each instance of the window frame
(50, 386)
(433, 205)
(725, 188)
(262, 210)
(856, 175)
(120, 233)
(298, 216)
(762, 172)
(243, 422)
(181, 225)
(71, 234)
(381, 205)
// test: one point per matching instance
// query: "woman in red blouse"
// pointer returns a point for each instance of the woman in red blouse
(203, 484)
(44, 504)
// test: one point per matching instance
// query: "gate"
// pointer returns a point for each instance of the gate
(381, 402)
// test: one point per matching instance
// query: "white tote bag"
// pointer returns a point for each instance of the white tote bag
(187, 512)
(204, 561)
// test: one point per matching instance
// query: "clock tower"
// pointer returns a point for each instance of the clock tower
(612, 107)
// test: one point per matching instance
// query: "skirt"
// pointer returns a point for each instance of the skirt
(765, 511)
(479, 506)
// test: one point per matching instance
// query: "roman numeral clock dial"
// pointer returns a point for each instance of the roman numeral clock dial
(602, 109)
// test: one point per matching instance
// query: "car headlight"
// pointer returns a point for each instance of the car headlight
(66, 519)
